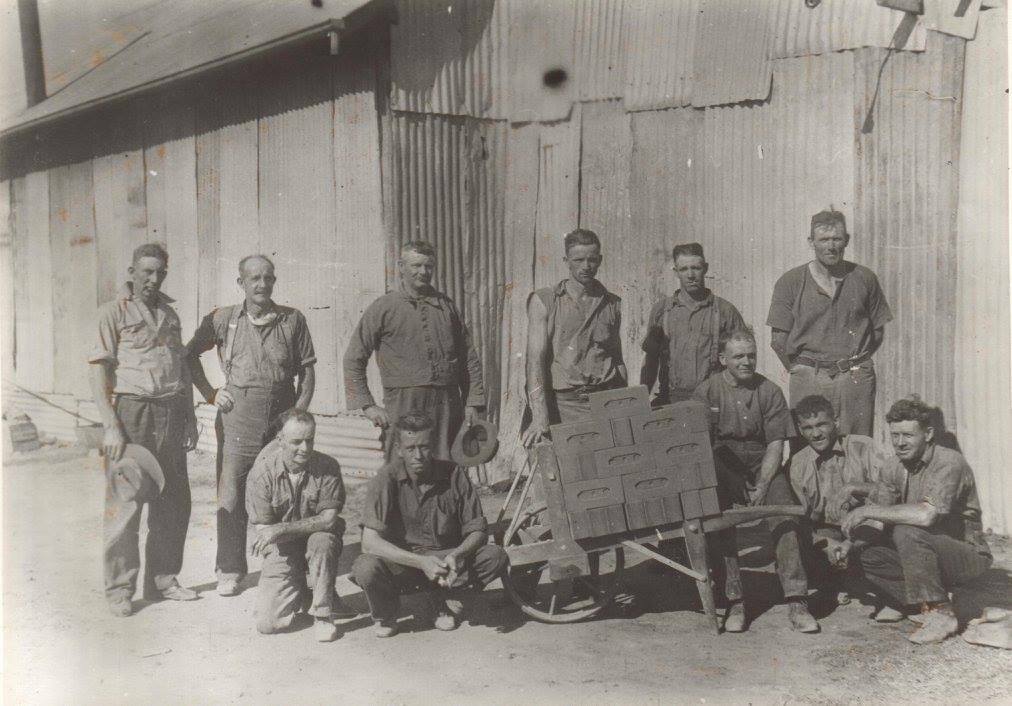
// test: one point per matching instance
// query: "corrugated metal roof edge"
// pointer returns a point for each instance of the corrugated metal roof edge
(343, 25)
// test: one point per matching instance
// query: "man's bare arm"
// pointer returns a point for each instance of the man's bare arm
(770, 465)
(877, 335)
(778, 342)
(648, 371)
(199, 377)
(307, 385)
(326, 521)
(537, 370)
(914, 514)
(374, 543)
(101, 390)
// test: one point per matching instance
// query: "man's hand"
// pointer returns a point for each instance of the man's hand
(451, 570)
(191, 434)
(223, 399)
(470, 416)
(852, 520)
(266, 536)
(535, 434)
(114, 443)
(758, 494)
(434, 568)
(836, 551)
(377, 415)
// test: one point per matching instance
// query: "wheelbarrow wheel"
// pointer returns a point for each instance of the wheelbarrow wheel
(569, 600)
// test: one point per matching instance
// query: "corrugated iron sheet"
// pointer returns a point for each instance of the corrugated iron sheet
(600, 48)
(6, 283)
(661, 44)
(183, 35)
(542, 69)
(731, 63)
(836, 25)
(447, 188)
(450, 57)
(905, 212)
(983, 351)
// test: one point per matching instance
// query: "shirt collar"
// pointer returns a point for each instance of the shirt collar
(924, 461)
(441, 474)
(275, 309)
(126, 293)
(594, 289)
(678, 300)
(732, 381)
(838, 449)
(431, 299)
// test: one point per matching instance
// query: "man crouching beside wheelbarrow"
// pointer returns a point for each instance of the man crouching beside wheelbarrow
(422, 529)
(751, 423)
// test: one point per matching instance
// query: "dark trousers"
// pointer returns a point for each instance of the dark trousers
(737, 464)
(383, 581)
(921, 567)
(442, 404)
(233, 469)
(160, 428)
(294, 572)
(852, 393)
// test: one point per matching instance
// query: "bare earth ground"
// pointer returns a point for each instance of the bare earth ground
(61, 645)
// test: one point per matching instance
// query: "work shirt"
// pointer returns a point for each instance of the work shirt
(586, 350)
(437, 518)
(142, 345)
(828, 327)
(943, 479)
(272, 497)
(755, 411)
(419, 341)
(684, 333)
(818, 481)
(266, 355)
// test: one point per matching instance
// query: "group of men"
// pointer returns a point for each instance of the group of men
(907, 526)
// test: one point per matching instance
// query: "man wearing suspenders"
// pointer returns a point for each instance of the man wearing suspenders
(684, 329)
(263, 348)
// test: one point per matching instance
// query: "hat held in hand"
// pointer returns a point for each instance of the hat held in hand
(137, 475)
(475, 444)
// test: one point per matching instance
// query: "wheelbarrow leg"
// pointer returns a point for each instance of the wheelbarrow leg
(695, 545)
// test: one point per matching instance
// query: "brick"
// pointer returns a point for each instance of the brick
(707, 470)
(581, 437)
(577, 467)
(681, 449)
(653, 512)
(623, 402)
(672, 420)
(624, 459)
(708, 501)
(590, 494)
(647, 485)
(691, 505)
(597, 522)
(621, 429)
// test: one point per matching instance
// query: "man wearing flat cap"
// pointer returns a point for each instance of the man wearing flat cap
(827, 319)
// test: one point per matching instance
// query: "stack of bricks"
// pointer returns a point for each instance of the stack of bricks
(629, 467)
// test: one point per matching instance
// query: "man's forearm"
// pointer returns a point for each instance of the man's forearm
(373, 543)
(356, 384)
(877, 335)
(472, 543)
(648, 371)
(778, 342)
(536, 394)
(199, 378)
(324, 522)
(101, 389)
(914, 514)
(307, 385)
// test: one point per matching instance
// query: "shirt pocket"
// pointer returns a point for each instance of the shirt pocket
(447, 524)
(135, 334)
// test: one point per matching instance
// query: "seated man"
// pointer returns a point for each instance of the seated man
(936, 544)
(293, 498)
(752, 422)
(833, 474)
(422, 528)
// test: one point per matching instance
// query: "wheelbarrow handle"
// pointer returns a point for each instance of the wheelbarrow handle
(739, 515)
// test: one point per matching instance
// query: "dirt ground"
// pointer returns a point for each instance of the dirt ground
(61, 646)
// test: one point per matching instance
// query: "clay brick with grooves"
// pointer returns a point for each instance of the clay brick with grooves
(621, 429)
(581, 437)
(624, 459)
(577, 467)
(623, 402)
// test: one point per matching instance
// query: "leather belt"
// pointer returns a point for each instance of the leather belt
(839, 366)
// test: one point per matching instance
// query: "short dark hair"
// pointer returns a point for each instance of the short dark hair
(295, 415)
(738, 334)
(151, 250)
(257, 256)
(912, 409)
(829, 218)
(414, 421)
(694, 249)
(581, 236)
(421, 247)
(811, 405)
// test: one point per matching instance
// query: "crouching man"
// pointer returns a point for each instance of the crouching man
(833, 474)
(936, 544)
(293, 498)
(422, 529)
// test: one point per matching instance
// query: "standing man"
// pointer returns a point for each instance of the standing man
(422, 528)
(426, 359)
(142, 390)
(263, 349)
(937, 545)
(752, 422)
(684, 330)
(573, 344)
(828, 318)
(293, 499)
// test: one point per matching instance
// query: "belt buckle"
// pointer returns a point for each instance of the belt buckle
(846, 367)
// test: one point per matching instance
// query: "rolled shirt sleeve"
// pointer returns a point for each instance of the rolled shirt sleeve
(332, 493)
(304, 350)
(379, 503)
(106, 347)
(258, 496)
(878, 308)
(781, 316)
(941, 490)
(777, 422)
(472, 518)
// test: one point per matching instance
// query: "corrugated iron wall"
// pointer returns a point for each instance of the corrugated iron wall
(983, 350)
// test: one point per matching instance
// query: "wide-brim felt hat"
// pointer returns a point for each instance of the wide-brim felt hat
(475, 444)
(137, 475)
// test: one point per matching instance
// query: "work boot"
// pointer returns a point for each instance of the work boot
(228, 586)
(938, 624)
(385, 628)
(175, 592)
(888, 614)
(324, 630)
(121, 607)
(340, 609)
(734, 618)
(801, 619)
